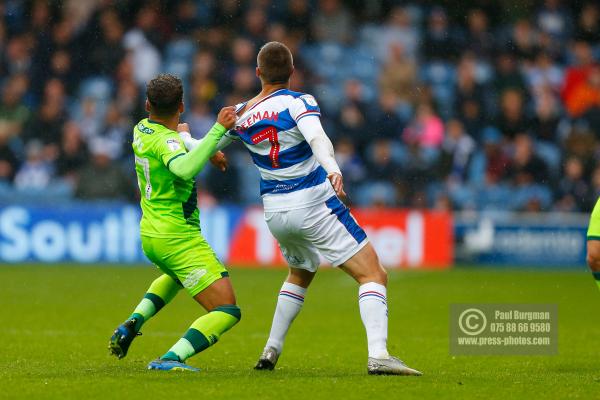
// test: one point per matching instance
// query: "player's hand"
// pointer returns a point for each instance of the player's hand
(227, 117)
(219, 161)
(338, 184)
(183, 127)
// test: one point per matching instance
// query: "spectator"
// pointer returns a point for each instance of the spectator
(588, 25)
(467, 87)
(441, 42)
(585, 95)
(89, 118)
(384, 119)
(243, 52)
(8, 161)
(554, 19)
(18, 55)
(578, 73)
(457, 150)
(186, 18)
(129, 102)
(508, 75)
(106, 54)
(145, 58)
(154, 26)
(350, 162)
(352, 122)
(332, 22)
(544, 73)
(523, 43)
(479, 40)
(200, 119)
(47, 124)
(547, 117)
(61, 68)
(73, 153)
(398, 34)
(572, 193)
(399, 75)
(101, 179)
(36, 172)
(381, 165)
(115, 133)
(354, 94)
(204, 80)
(255, 24)
(224, 187)
(471, 115)
(512, 119)
(298, 17)
(426, 129)
(594, 192)
(526, 167)
(495, 161)
(13, 113)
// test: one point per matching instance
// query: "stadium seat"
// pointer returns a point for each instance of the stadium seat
(376, 192)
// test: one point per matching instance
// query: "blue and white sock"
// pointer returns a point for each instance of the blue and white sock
(289, 304)
(372, 302)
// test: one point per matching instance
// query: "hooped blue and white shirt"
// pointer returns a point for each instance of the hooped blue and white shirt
(291, 177)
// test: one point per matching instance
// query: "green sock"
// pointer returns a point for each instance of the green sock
(160, 292)
(204, 332)
(597, 277)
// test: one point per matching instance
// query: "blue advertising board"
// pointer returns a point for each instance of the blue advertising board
(109, 233)
(91, 233)
(514, 239)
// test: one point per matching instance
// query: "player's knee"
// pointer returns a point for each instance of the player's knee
(380, 275)
(593, 261)
(300, 277)
(593, 256)
(232, 310)
(376, 272)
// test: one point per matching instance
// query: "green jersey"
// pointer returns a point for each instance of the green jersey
(169, 207)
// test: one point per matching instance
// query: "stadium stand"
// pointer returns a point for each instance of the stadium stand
(427, 106)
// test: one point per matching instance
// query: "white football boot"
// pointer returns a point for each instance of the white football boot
(390, 366)
(267, 359)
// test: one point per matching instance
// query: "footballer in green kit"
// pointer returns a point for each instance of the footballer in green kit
(593, 243)
(170, 227)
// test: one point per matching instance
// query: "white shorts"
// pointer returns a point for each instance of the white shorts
(327, 228)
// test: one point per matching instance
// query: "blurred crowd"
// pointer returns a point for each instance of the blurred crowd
(473, 106)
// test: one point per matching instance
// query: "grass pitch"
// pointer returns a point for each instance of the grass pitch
(56, 322)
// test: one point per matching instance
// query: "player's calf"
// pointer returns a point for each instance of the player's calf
(218, 298)
(289, 304)
(366, 269)
(204, 332)
(162, 290)
(593, 259)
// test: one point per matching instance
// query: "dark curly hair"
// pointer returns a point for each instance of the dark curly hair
(165, 94)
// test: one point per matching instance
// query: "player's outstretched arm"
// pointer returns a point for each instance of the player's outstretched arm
(191, 143)
(189, 165)
(218, 159)
(322, 148)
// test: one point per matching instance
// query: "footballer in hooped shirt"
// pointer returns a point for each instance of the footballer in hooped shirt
(301, 186)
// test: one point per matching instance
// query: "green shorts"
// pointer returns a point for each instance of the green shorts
(190, 261)
(593, 232)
